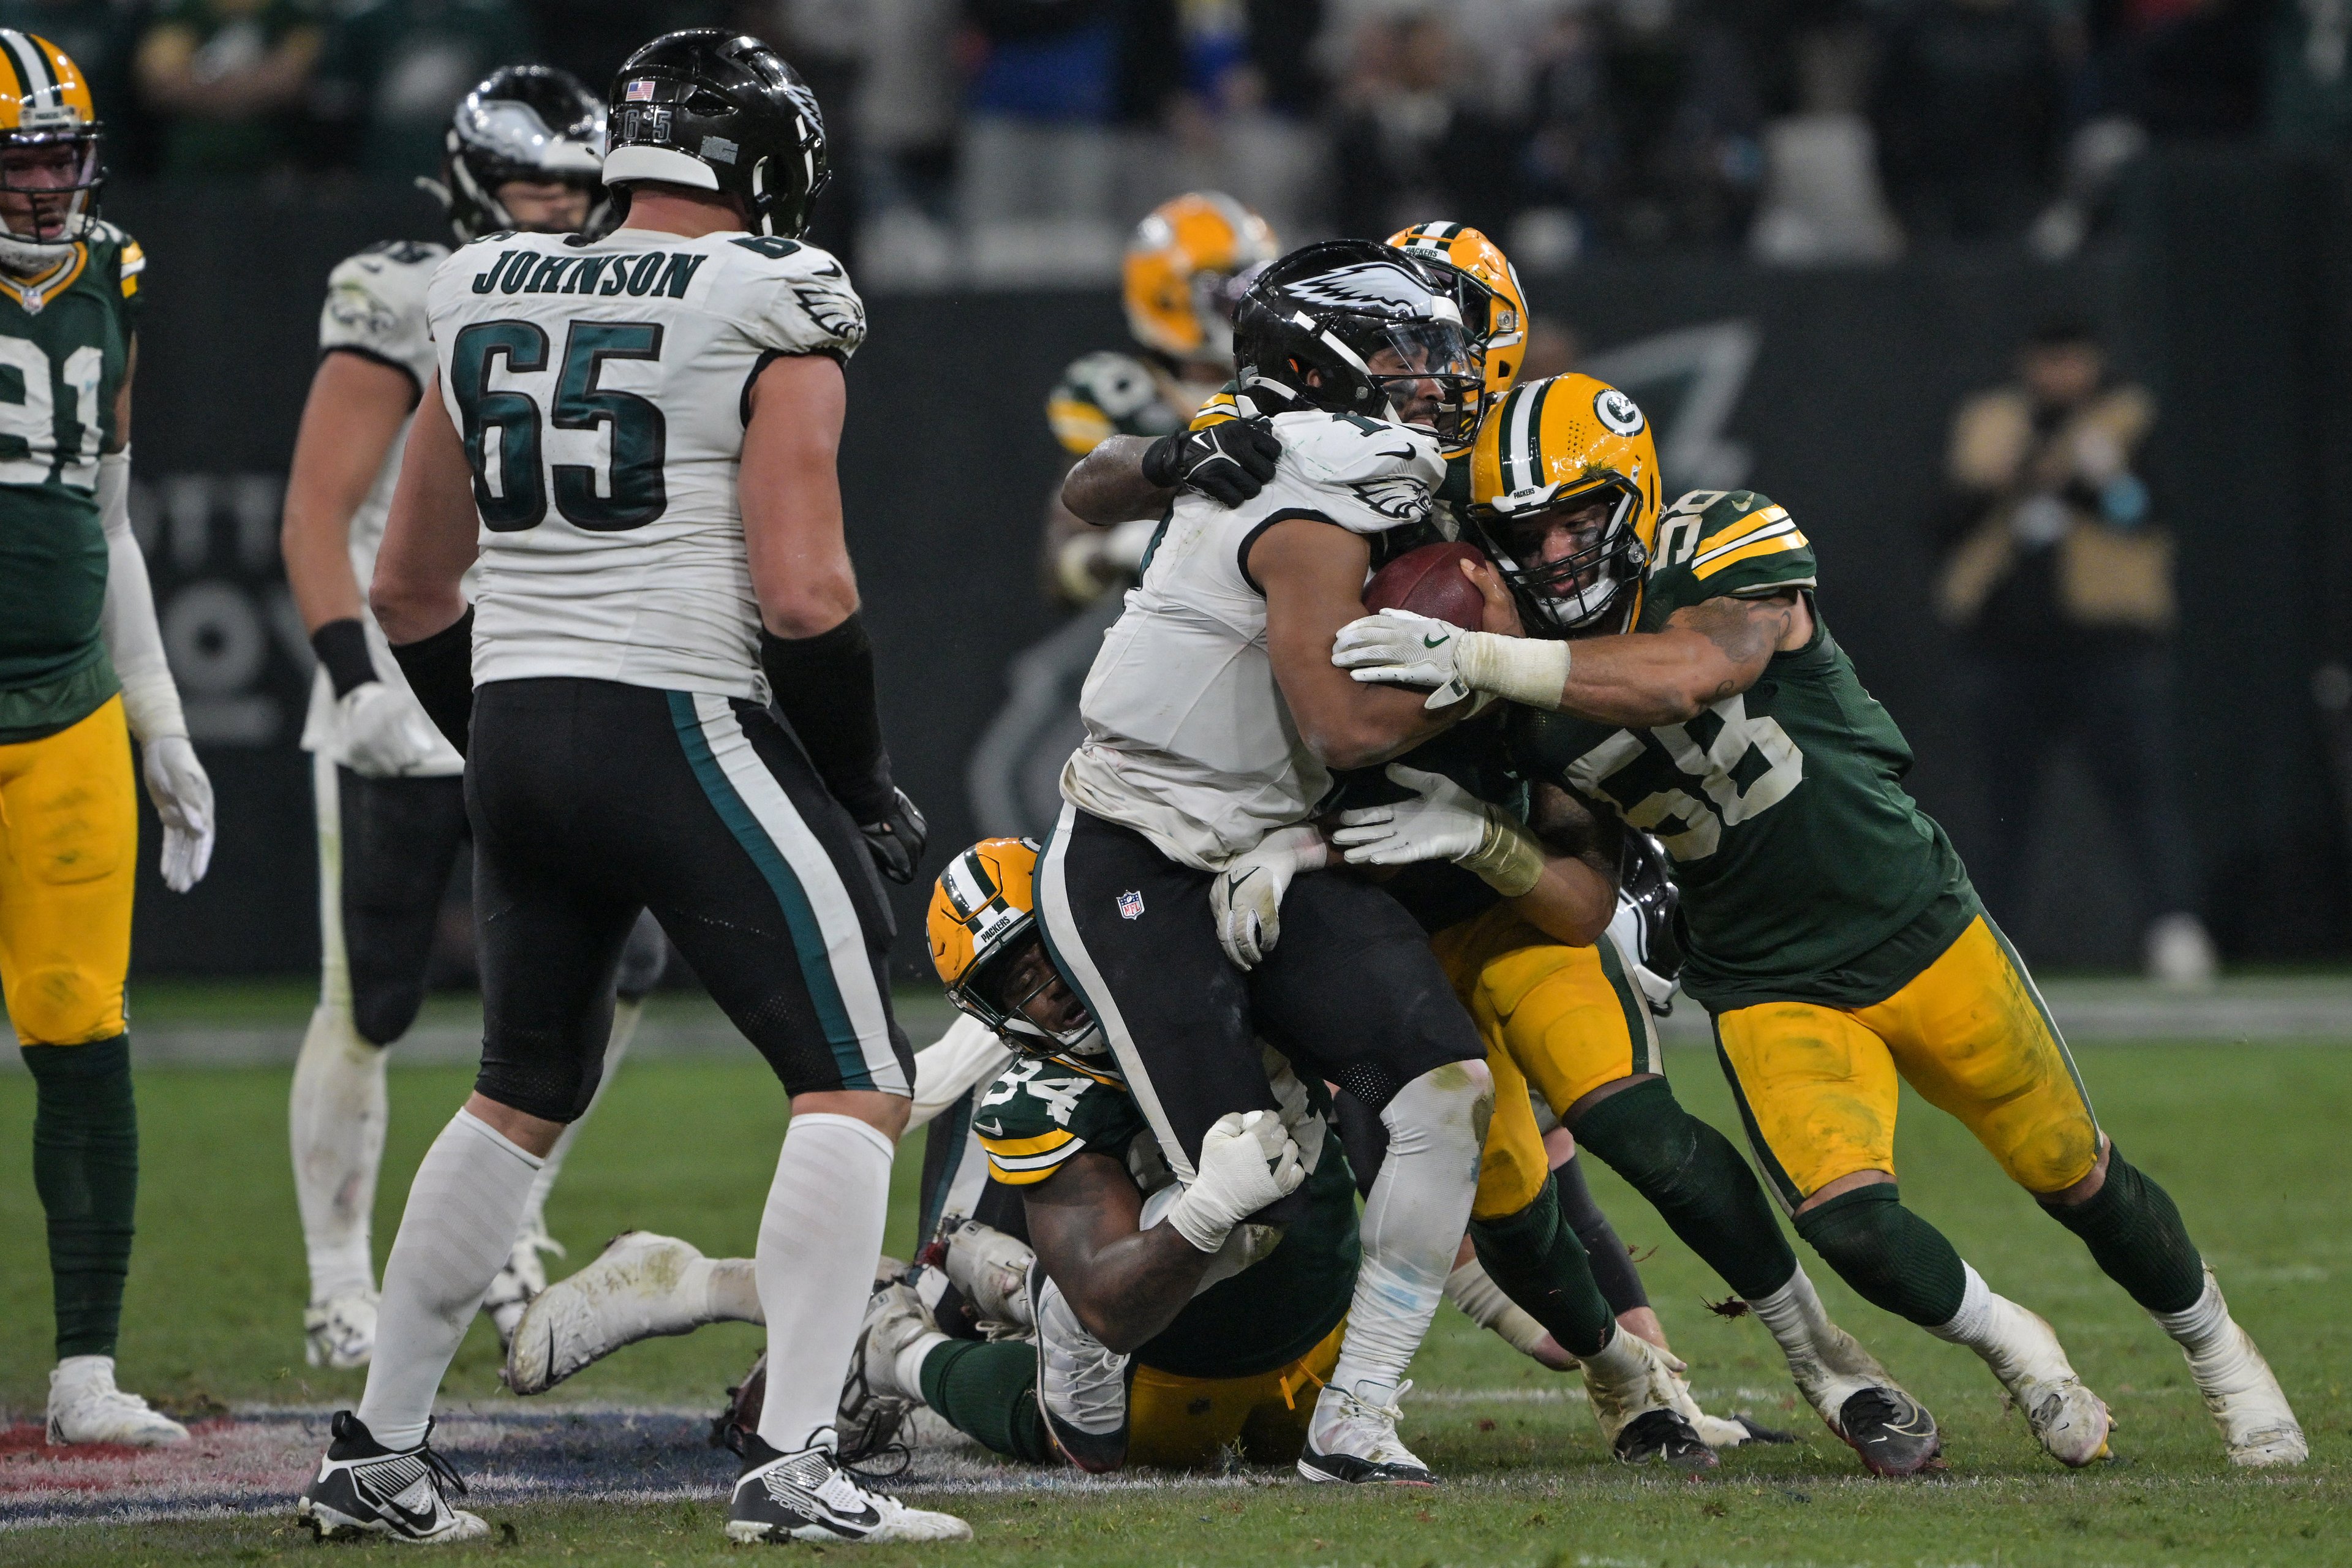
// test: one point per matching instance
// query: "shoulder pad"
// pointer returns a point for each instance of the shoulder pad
(813, 309)
(1039, 1113)
(1370, 475)
(1222, 405)
(1712, 543)
(1106, 395)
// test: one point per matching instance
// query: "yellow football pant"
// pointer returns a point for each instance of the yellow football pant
(1564, 1020)
(1187, 1423)
(1818, 1086)
(69, 844)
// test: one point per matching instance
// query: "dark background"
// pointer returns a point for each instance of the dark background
(2225, 292)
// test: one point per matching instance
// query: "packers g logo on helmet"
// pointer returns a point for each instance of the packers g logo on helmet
(983, 915)
(1549, 448)
(49, 139)
(1181, 264)
(1494, 306)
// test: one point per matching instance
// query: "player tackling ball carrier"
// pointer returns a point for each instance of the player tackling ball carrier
(1677, 675)
(636, 435)
(524, 151)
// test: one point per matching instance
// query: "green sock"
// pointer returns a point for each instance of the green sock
(1697, 1180)
(1893, 1258)
(1540, 1264)
(2135, 1233)
(86, 1168)
(989, 1391)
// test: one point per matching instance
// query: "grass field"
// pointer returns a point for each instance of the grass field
(2248, 1137)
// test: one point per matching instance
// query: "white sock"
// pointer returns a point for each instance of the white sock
(1411, 1227)
(626, 1014)
(908, 1369)
(730, 1290)
(454, 1236)
(1795, 1316)
(1980, 1320)
(818, 1239)
(335, 1121)
(2202, 1327)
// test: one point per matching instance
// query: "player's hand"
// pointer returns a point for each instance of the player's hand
(1446, 822)
(183, 799)
(1245, 900)
(1501, 616)
(1399, 647)
(1228, 462)
(897, 841)
(1248, 1160)
(384, 733)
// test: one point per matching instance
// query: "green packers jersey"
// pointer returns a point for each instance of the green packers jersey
(1040, 1113)
(1806, 873)
(65, 342)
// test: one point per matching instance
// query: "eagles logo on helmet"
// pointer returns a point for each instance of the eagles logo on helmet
(530, 123)
(50, 139)
(719, 112)
(1553, 447)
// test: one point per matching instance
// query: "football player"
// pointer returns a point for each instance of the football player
(81, 674)
(1185, 266)
(637, 436)
(522, 154)
(1680, 678)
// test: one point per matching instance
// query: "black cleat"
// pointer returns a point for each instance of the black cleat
(365, 1489)
(1663, 1436)
(1892, 1431)
(1354, 1442)
(1760, 1432)
(808, 1496)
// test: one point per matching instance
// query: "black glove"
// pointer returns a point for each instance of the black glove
(1229, 462)
(897, 841)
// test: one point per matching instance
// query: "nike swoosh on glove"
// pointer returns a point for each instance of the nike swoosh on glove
(183, 800)
(1400, 648)
(1245, 900)
(1229, 462)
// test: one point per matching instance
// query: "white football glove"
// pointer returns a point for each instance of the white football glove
(1400, 648)
(1247, 1161)
(183, 799)
(1246, 898)
(1447, 823)
(384, 733)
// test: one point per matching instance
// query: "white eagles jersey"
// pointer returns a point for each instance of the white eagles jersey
(375, 308)
(601, 390)
(1188, 738)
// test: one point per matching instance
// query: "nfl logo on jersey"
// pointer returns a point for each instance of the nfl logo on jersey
(1130, 905)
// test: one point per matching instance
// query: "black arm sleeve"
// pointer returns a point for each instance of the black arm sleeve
(342, 646)
(440, 670)
(824, 685)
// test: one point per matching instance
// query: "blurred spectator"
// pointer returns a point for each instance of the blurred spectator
(395, 69)
(1967, 114)
(1645, 126)
(100, 36)
(1822, 201)
(226, 78)
(1043, 91)
(1222, 93)
(2309, 88)
(589, 38)
(1409, 142)
(2059, 578)
(2180, 68)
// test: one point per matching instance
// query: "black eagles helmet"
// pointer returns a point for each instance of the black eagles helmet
(1314, 323)
(522, 122)
(719, 112)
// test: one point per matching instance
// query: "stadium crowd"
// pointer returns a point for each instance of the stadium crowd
(1020, 136)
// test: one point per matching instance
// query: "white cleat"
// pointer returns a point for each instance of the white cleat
(365, 1489)
(1637, 1393)
(807, 1496)
(873, 1403)
(2068, 1420)
(1352, 1439)
(516, 1286)
(2240, 1391)
(637, 1290)
(340, 1331)
(86, 1407)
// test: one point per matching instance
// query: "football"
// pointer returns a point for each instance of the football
(1428, 581)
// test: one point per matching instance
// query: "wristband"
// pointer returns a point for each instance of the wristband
(1528, 670)
(342, 646)
(1507, 858)
(440, 670)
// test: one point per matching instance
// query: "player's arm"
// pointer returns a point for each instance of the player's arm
(1312, 573)
(1559, 869)
(429, 540)
(1125, 1284)
(134, 642)
(1576, 896)
(349, 423)
(1108, 485)
(814, 646)
(1127, 476)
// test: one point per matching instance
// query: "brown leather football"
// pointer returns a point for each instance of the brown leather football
(1428, 581)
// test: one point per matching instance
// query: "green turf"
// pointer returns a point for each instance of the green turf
(2244, 1137)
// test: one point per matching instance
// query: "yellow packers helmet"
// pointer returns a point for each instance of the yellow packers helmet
(1554, 447)
(49, 137)
(983, 914)
(1494, 306)
(1182, 262)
